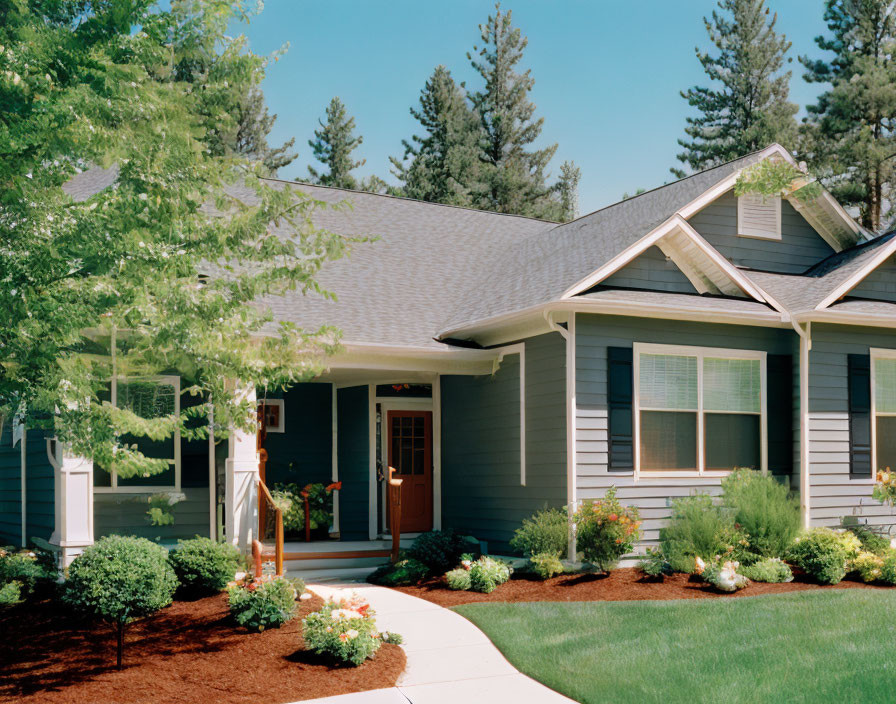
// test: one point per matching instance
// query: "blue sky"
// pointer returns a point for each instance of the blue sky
(607, 74)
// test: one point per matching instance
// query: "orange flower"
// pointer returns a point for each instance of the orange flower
(618, 541)
(612, 517)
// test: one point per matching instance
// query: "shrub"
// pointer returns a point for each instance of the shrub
(264, 602)
(439, 550)
(724, 575)
(606, 530)
(546, 564)
(119, 579)
(10, 593)
(868, 565)
(822, 553)
(771, 569)
(871, 542)
(888, 568)
(764, 509)
(545, 532)
(697, 528)
(204, 566)
(345, 630)
(655, 564)
(458, 579)
(487, 573)
(288, 498)
(404, 573)
(27, 569)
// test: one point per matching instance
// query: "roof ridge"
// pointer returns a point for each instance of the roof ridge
(411, 200)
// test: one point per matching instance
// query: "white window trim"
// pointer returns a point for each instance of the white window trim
(776, 237)
(115, 489)
(877, 353)
(640, 348)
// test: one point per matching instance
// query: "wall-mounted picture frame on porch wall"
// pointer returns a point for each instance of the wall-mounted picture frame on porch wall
(273, 414)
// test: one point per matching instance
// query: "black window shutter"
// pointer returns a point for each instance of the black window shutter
(779, 380)
(621, 456)
(859, 369)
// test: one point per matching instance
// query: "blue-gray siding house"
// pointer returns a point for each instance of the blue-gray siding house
(501, 364)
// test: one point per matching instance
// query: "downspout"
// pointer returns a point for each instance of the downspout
(569, 335)
(805, 346)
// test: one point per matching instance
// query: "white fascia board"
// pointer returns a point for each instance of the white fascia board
(387, 357)
(870, 320)
(879, 258)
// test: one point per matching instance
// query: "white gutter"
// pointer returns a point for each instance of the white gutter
(569, 335)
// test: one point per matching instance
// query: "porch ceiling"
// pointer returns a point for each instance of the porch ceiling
(348, 377)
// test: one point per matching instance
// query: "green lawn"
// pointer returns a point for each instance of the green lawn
(832, 646)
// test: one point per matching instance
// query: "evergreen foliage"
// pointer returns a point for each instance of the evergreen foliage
(749, 108)
(333, 145)
(849, 137)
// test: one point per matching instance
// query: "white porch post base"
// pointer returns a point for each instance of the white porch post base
(241, 491)
(73, 484)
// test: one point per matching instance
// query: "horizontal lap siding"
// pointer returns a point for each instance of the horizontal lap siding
(834, 493)
(353, 458)
(303, 453)
(799, 247)
(40, 490)
(10, 489)
(594, 334)
(125, 514)
(481, 490)
(879, 285)
(651, 271)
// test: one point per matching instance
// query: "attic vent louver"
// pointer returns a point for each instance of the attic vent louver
(759, 216)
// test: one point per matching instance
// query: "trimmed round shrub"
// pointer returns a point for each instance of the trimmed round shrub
(888, 568)
(25, 568)
(823, 554)
(404, 573)
(868, 566)
(345, 630)
(486, 574)
(545, 532)
(458, 579)
(763, 508)
(265, 602)
(606, 530)
(439, 550)
(546, 565)
(204, 566)
(10, 593)
(772, 570)
(119, 579)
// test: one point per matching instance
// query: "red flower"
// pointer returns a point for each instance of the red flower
(612, 517)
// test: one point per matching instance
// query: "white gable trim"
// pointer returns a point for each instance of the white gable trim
(879, 258)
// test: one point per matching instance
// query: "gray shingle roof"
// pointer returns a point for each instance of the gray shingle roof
(681, 301)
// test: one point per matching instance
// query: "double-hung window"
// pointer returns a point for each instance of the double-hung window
(698, 409)
(883, 409)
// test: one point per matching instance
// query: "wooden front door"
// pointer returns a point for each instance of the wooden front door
(410, 453)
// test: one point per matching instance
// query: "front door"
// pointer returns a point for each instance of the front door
(410, 453)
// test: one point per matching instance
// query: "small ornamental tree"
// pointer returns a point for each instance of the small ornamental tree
(606, 530)
(119, 579)
(167, 267)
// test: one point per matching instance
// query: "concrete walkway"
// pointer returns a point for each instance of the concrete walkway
(449, 659)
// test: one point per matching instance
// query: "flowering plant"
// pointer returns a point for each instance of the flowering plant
(723, 575)
(268, 601)
(885, 487)
(606, 530)
(345, 630)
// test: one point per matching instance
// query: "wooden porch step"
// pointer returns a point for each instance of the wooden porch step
(323, 555)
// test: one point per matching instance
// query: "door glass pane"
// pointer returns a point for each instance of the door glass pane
(667, 381)
(885, 386)
(731, 385)
(886, 442)
(732, 441)
(668, 441)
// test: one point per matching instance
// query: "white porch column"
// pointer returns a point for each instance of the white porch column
(241, 491)
(73, 484)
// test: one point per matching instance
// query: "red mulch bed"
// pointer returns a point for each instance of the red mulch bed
(188, 653)
(626, 584)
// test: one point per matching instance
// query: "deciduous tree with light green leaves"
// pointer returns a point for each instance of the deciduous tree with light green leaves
(171, 260)
(748, 107)
(850, 133)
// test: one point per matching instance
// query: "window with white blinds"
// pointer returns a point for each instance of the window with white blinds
(699, 409)
(759, 216)
(883, 409)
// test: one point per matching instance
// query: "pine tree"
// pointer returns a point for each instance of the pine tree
(849, 134)
(254, 124)
(442, 166)
(567, 188)
(513, 175)
(750, 109)
(333, 145)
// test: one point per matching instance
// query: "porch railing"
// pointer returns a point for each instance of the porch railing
(270, 526)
